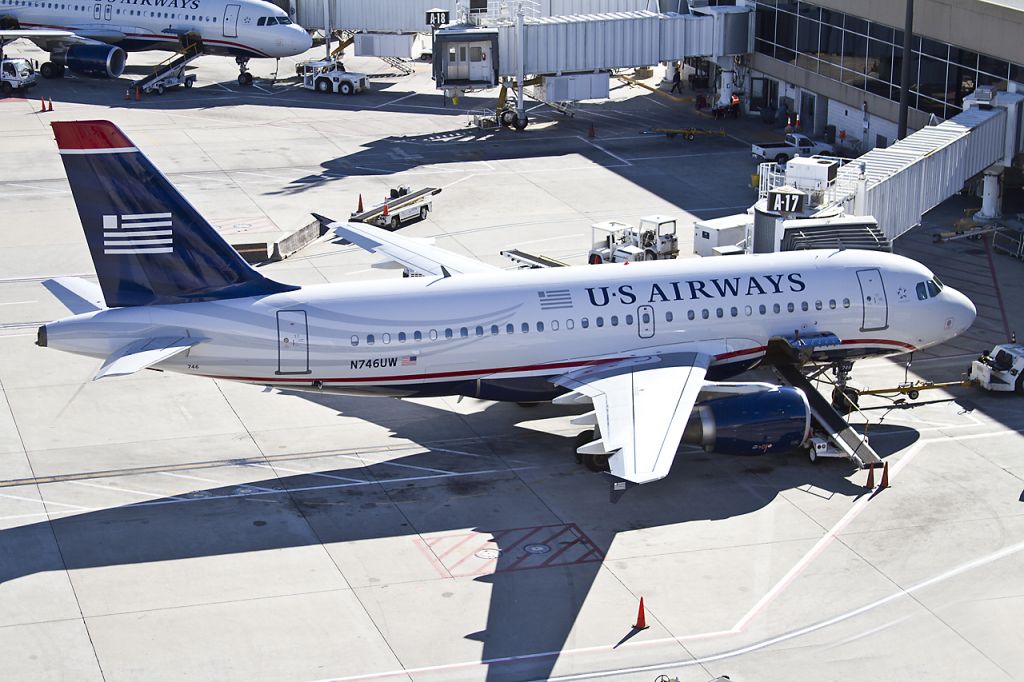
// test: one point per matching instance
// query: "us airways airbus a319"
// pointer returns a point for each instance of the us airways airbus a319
(651, 345)
(91, 38)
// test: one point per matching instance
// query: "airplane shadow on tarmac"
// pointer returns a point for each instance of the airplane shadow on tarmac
(539, 580)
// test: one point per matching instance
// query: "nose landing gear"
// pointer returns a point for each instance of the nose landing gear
(244, 77)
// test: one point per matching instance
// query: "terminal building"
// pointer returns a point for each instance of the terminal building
(838, 63)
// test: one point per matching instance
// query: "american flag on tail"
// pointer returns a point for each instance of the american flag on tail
(137, 233)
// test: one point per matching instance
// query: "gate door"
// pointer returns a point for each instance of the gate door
(645, 321)
(876, 309)
(231, 21)
(292, 349)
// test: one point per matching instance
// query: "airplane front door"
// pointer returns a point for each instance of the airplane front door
(231, 21)
(645, 321)
(876, 308)
(292, 347)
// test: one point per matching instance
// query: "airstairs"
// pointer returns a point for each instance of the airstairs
(168, 73)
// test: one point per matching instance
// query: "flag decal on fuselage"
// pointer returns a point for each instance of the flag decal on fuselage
(555, 298)
(137, 233)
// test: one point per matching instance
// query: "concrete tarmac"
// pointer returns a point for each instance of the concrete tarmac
(163, 527)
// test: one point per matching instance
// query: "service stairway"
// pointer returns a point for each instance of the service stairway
(839, 431)
(168, 70)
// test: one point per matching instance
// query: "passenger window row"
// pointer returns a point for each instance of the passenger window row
(600, 321)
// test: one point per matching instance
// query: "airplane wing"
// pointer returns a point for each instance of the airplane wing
(416, 256)
(641, 406)
(143, 353)
(77, 295)
(51, 39)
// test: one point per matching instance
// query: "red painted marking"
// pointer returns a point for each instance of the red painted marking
(561, 551)
(455, 546)
(89, 135)
(509, 370)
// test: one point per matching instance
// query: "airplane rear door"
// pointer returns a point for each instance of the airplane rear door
(292, 348)
(231, 21)
(876, 308)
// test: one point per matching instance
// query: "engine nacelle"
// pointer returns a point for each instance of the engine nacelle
(778, 420)
(96, 61)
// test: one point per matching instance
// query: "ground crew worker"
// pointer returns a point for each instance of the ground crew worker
(677, 82)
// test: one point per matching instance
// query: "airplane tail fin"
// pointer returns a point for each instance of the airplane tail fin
(148, 243)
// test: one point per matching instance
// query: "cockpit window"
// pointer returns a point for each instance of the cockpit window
(929, 289)
(934, 287)
(922, 291)
(262, 21)
(939, 285)
(284, 21)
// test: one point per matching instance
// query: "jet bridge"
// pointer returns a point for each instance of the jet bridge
(899, 184)
(575, 54)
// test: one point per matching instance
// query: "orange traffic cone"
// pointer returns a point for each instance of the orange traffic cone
(871, 477)
(384, 213)
(885, 477)
(42, 105)
(359, 208)
(641, 617)
(592, 132)
(49, 104)
(138, 94)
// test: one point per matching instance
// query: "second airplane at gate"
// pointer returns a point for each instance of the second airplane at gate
(646, 342)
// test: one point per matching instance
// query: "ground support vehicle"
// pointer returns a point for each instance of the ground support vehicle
(795, 144)
(329, 75)
(16, 74)
(615, 242)
(400, 207)
(688, 134)
(1001, 369)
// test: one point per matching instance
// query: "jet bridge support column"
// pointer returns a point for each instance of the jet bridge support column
(521, 66)
(990, 203)
(727, 68)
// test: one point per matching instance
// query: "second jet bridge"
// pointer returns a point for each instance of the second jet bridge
(587, 43)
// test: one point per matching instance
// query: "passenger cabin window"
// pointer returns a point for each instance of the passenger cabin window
(401, 337)
(355, 340)
(448, 333)
(369, 339)
(846, 303)
(691, 315)
(417, 335)
(629, 320)
(510, 329)
(386, 338)
(791, 307)
(540, 326)
(494, 330)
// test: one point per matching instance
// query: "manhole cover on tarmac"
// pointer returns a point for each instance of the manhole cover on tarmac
(488, 554)
(537, 548)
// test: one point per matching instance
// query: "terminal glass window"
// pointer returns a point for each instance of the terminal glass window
(868, 55)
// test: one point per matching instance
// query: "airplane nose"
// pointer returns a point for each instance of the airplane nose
(302, 41)
(964, 310)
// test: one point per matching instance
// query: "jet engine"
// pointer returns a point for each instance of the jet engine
(776, 420)
(96, 61)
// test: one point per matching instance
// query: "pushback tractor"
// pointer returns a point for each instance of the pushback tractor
(615, 242)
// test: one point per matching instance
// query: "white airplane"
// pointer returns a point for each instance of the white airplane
(649, 344)
(91, 38)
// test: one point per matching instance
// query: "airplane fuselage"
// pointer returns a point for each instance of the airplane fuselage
(503, 335)
(238, 28)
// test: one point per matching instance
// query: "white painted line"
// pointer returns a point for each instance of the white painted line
(191, 478)
(110, 488)
(597, 146)
(396, 101)
(42, 502)
(18, 302)
(276, 467)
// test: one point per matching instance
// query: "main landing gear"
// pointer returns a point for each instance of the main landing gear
(844, 399)
(594, 462)
(244, 77)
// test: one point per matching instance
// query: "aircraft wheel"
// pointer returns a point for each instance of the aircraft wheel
(5, 89)
(323, 85)
(345, 89)
(508, 118)
(48, 70)
(596, 463)
(845, 400)
(520, 125)
(582, 439)
(245, 79)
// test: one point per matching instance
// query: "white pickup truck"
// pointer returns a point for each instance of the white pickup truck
(795, 144)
